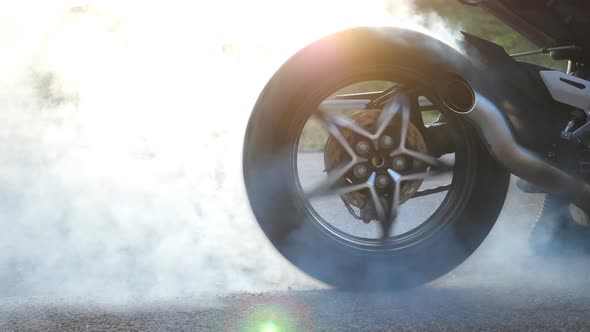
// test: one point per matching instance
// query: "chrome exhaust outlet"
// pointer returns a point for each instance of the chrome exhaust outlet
(497, 134)
(458, 96)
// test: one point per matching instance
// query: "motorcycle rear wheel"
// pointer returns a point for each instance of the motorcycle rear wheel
(447, 238)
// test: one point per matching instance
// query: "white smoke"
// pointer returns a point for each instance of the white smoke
(121, 128)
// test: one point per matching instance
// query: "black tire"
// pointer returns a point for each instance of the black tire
(271, 187)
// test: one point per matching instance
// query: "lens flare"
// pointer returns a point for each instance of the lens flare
(270, 326)
(274, 317)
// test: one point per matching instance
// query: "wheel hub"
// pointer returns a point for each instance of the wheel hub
(379, 161)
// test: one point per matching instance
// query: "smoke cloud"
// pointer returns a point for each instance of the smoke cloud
(121, 131)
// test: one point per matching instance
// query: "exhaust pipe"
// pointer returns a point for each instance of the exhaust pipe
(459, 97)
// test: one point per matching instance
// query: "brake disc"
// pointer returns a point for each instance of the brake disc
(335, 155)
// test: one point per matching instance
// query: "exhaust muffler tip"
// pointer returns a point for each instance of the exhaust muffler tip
(458, 96)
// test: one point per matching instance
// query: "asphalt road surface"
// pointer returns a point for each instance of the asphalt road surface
(501, 287)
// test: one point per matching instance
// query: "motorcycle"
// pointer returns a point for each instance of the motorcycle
(380, 158)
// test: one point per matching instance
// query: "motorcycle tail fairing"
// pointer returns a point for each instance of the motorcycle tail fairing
(517, 87)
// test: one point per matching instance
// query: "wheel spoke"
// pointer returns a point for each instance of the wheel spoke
(387, 220)
(390, 110)
(396, 103)
(405, 121)
(387, 223)
(394, 210)
(328, 185)
(332, 128)
(336, 121)
(335, 190)
(375, 198)
(405, 110)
